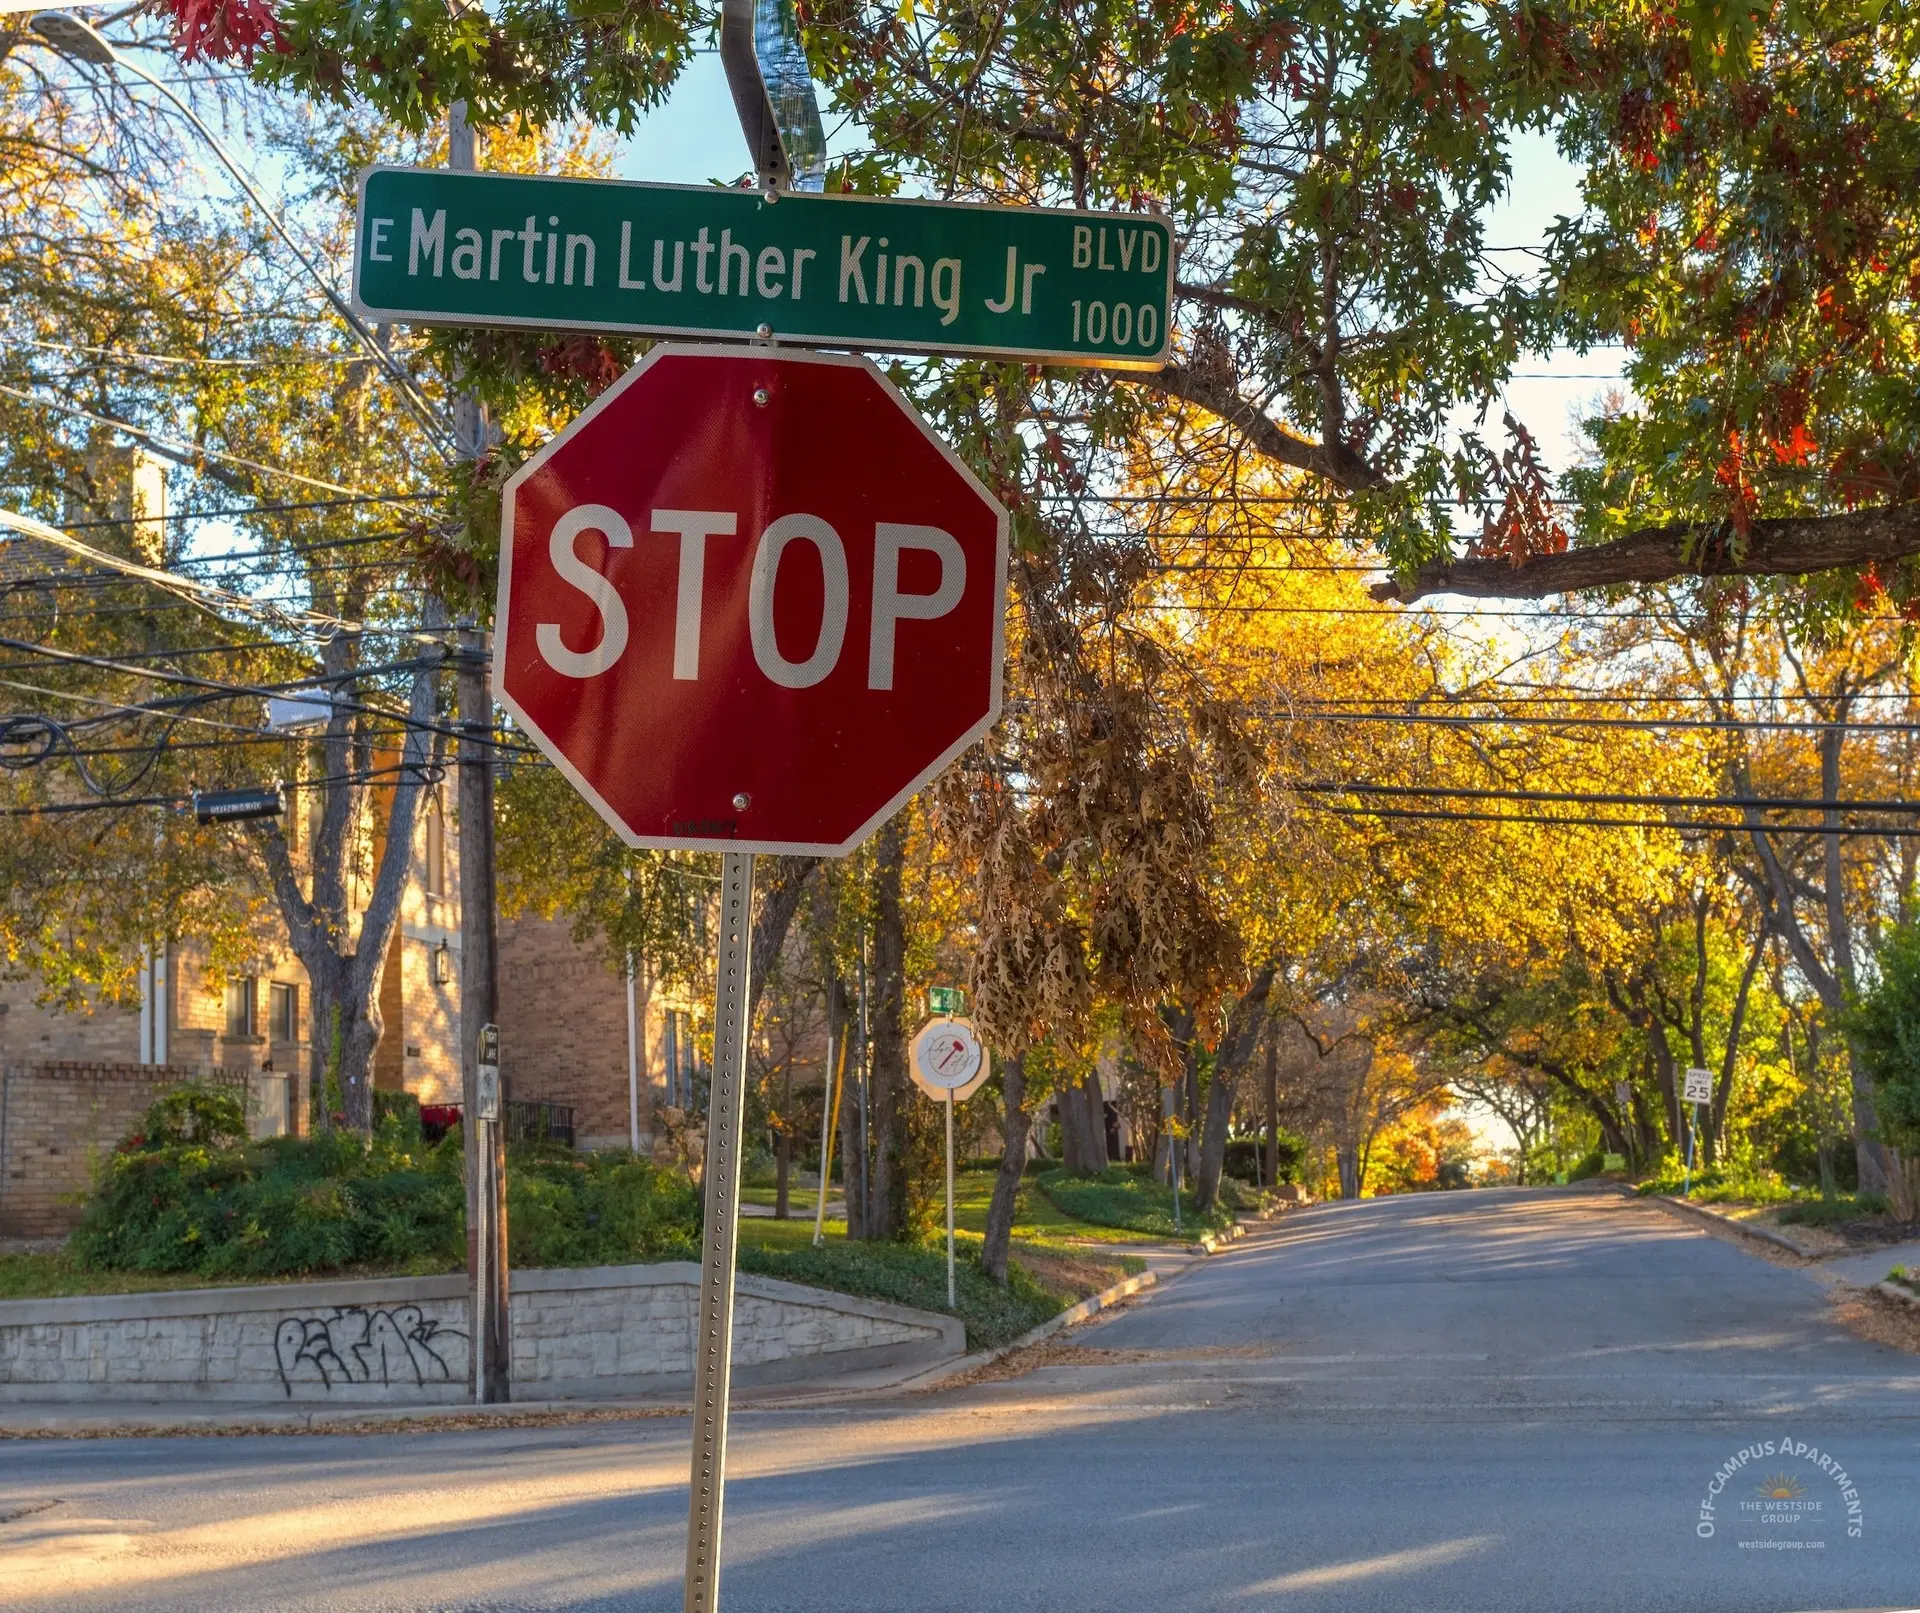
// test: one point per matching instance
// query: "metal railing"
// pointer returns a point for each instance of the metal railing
(538, 1122)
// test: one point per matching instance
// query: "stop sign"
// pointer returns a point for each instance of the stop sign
(749, 602)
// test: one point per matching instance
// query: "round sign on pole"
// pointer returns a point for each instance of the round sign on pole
(947, 1058)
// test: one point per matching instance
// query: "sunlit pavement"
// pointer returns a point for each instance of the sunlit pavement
(1491, 1400)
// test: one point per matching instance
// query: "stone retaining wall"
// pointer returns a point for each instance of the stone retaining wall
(606, 1330)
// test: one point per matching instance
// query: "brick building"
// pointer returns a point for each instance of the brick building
(564, 1034)
(261, 1021)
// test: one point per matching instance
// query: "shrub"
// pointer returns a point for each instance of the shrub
(194, 1112)
(401, 1110)
(1735, 1184)
(1238, 1195)
(1246, 1156)
(185, 1194)
(567, 1209)
(1884, 1027)
(1832, 1212)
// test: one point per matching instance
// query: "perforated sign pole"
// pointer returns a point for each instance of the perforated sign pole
(713, 1342)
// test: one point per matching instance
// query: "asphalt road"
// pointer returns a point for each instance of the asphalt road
(1484, 1401)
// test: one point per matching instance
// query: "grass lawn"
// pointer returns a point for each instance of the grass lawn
(1130, 1199)
(799, 1199)
(1034, 1214)
(1045, 1276)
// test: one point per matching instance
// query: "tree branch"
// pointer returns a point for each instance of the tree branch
(1788, 547)
(1338, 463)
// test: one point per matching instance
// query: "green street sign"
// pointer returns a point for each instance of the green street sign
(946, 1000)
(435, 247)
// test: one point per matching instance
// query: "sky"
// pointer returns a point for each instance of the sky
(695, 138)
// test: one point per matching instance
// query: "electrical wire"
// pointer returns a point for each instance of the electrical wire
(266, 509)
(205, 594)
(187, 453)
(1878, 831)
(1601, 798)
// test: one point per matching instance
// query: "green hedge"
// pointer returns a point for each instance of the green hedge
(188, 1193)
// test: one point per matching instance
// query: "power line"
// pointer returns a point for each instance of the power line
(1885, 832)
(207, 595)
(1602, 798)
(266, 509)
(189, 453)
(188, 360)
(1727, 725)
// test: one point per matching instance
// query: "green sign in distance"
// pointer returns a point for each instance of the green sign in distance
(436, 247)
(946, 1000)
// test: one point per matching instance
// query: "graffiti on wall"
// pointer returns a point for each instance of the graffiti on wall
(354, 1345)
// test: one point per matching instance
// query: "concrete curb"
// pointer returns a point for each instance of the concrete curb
(1067, 1318)
(94, 1424)
(1764, 1234)
(1899, 1291)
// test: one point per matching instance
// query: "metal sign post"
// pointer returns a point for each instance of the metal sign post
(713, 1338)
(948, 1063)
(1697, 1090)
(953, 1302)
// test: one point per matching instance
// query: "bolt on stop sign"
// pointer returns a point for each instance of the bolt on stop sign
(749, 602)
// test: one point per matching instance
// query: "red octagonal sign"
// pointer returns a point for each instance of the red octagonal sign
(749, 602)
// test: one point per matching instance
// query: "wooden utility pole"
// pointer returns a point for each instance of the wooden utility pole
(483, 1096)
(479, 1033)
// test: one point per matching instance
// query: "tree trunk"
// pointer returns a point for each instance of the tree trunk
(886, 1205)
(346, 984)
(1668, 1077)
(1736, 1024)
(1070, 1117)
(1349, 1162)
(1093, 1095)
(1013, 1162)
(1273, 1114)
(1083, 1138)
(783, 1147)
(1190, 1144)
(1236, 1050)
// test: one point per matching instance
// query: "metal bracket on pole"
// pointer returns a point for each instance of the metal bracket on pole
(713, 1338)
(773, 94)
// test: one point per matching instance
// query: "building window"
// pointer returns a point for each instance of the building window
(285, 1009)
(435, 877)
(240, 998)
